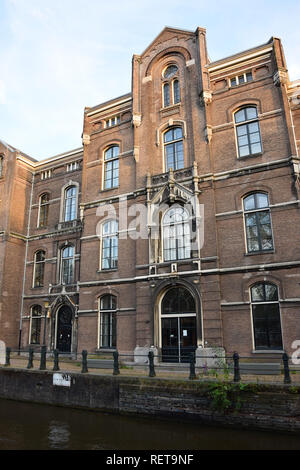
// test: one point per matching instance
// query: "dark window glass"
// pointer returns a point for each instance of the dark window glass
(109, 245)
(173, 149)
(39, 265)
(170, 71)
(178, 300)
(44, 209)
(35, 327)
(111, 167)
(176, 234)
(258, 223)
(67, 265)
(108, 321)
(70, 203)
(247, 132)
(166, 94)
(176, 91)
(266, 317)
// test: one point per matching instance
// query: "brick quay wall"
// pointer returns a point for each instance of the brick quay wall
(250, 406)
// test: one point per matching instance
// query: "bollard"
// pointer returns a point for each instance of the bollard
(43, 358)
(192, 366)
(30, 359)
(55, 365)
(7, 358)
(287, 377)
(237, 376)
(151, 364)
(84, 362)
(116, 363)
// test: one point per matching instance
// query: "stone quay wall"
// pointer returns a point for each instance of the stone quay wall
(250, 406)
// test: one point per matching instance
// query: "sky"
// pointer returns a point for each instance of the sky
(59, 56)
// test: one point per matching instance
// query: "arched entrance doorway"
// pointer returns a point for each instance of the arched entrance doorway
(64, 329)
(178, 325)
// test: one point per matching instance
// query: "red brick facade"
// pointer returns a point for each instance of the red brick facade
(176, 137)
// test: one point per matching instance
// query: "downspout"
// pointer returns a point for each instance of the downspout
(25, 262)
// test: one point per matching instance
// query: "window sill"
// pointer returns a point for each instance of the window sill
(264, 252)
(268, 351)
(170, 107)
(108, 189)
(112, 270)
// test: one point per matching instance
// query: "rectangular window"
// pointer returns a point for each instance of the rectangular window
(240, 79)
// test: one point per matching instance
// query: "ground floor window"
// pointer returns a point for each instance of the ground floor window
(178, 325)
(35, 324)
(266, 317)
(108, 325)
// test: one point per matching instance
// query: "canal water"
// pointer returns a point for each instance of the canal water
(26, 426)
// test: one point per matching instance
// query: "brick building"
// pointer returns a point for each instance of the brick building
(207, 151)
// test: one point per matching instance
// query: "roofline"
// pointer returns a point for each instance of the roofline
(169, 28)
(36, 164)
(108, 104)
(268, 46)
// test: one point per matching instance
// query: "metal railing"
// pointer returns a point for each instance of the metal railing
(233, 367)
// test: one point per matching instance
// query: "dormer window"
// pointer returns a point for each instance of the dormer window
(240, 79)
(171, 87)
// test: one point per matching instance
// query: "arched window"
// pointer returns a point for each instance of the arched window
(176, 234)
(67, 265)
(38, 269)
(178, 325)
(247, 131)
(111, 167)
(70, 204)
(258, 222)
(171, 87)
(43, 210)
(266, 316)
(109, 242)
(108, 307)
(173, 149)
(35, 324)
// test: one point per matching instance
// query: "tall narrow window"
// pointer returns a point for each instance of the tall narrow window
(43, 210)
(35, 324)
(266, 316)
(109, 252)
(258, 222)
(111, 167)
(39, 267)
(70, 206)
(171, 87)
(108, 308)
(176, 234)
(173, 149)
(67, 265)
(1, 166)
(247, 131)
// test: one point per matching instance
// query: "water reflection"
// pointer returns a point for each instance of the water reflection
(25, 426)
(58, 435)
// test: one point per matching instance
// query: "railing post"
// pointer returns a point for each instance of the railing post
(30, 359)
(7, 357)
(287, 377)
(151, 364)
(84, 362)
(236, 363)
(116, 363)
(43, 358)
(55, 365)
(192, 366)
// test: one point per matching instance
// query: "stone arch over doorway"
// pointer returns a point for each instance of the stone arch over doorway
(177, 321)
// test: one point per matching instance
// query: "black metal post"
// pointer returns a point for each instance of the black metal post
(43, 358)
(236, 363)
(84, 368)
(30, 359)
(192, 366)
(287, 377)
(151, 364)
(116, 363)
(7, 358)
(55, 365)
(45, 323)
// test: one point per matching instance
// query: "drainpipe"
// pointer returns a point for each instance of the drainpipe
(25, 261)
